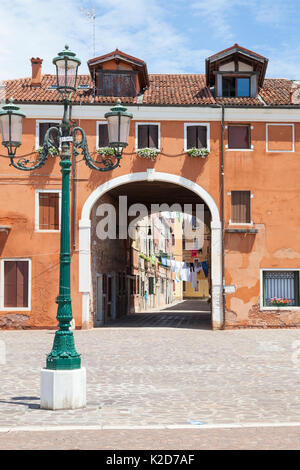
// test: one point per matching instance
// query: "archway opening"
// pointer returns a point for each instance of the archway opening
(146, 188)
(151, 257)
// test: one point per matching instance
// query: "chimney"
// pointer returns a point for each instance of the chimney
(36, 65)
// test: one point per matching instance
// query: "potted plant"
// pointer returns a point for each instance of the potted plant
(280, 301)
(148, 153)
(105, 151)
(195, 152)
(52, 151)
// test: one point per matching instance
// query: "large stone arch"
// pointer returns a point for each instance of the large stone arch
(150, 175)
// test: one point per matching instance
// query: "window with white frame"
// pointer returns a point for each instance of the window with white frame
(41, 128)
(280, 288)
(15, 284)
(102, 134)
(147, 135)
(196, 135)
(47, 209)
(240, 207)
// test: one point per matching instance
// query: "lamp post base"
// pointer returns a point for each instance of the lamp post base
(63, 389)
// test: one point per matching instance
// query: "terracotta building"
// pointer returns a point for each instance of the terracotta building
(228, 139)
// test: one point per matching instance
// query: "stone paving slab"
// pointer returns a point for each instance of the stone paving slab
(160, 376)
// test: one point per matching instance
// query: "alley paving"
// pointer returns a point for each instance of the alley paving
(160, 369)
(190, 313)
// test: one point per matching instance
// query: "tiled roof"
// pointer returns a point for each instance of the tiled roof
(164, 89)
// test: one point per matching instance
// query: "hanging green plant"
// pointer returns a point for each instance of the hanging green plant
(145, 257)
(194, 152)
(148, 153)
(105, 151)
(52, 151)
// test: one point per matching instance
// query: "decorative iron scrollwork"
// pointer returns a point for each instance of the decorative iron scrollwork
(26, 164)
(106, 163)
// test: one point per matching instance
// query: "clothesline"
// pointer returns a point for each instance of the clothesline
(185, 271)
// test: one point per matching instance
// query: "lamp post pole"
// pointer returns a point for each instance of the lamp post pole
(64, 354)
(63, 382)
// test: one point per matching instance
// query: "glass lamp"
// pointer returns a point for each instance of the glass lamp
(11, 123)
(118, 123)
(66, 72)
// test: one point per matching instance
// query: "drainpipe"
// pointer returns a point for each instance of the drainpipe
(222, 184)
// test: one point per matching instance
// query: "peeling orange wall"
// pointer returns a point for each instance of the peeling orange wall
(273, 179)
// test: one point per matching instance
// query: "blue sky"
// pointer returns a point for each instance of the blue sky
(170, 36)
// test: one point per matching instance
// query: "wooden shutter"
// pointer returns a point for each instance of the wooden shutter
(151, 285)
(196, 137)
(48, 211)
(43, 127)
(103, 135)
(116, 84)
(191, 137)
(153, 136)
(240, 207)
(142, 136)
(238, 137)
(107, 85)
(15, 284)
(126, 84)
(201, 137)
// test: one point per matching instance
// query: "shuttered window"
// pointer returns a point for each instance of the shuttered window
(148, 136)
(16, 284)
(239, 137)
(48, 211)
(196, 137)
(43, 127)
(116, 84)
(281, 285)
(151, 285)
(102, 135)
(240, 207)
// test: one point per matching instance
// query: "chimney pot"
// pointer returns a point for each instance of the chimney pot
(36, 67)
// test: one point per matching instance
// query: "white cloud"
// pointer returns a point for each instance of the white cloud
(147, 29)
(41, 28)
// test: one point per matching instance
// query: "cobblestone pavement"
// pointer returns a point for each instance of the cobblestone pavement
(188, 439)
(174, 372)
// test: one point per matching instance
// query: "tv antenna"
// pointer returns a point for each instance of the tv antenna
(92, 17)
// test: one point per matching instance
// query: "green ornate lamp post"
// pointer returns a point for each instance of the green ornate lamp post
(64, 356)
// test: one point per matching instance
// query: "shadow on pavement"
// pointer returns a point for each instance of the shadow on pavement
(190, 314)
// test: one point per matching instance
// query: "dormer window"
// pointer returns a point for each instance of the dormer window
(118, 75)
(236, 72)
(235, 86)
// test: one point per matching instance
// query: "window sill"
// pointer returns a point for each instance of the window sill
(15, 309)
(242, 230)
(203, 148)
(280, 308)
(47, 231)
(151, 148)
(243, 224)
(239, 150)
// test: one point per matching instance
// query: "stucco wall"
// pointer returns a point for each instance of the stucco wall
(273, 179)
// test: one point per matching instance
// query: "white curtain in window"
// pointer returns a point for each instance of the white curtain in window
(280, 284)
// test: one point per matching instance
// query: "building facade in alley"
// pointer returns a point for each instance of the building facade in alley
(228, 140)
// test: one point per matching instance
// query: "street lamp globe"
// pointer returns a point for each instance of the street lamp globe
(66, 72)
(11, 123)
(118, 123)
